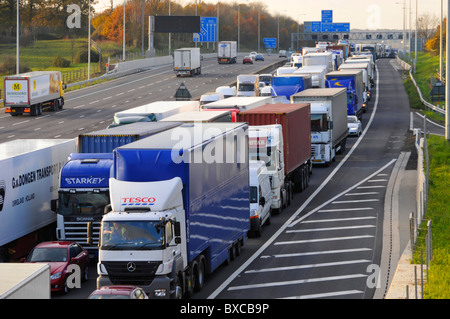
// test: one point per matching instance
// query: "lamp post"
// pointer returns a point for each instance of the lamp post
(447, 84)
(124, 11)
(17, 40)
(89, 41)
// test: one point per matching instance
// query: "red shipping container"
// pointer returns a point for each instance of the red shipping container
(295, 120)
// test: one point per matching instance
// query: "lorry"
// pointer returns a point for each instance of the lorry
(182, 210)
(329, 127)
(317, 73)
(83, 189)
(209, 97)
(208, 115)
(286, 70)
(288, 84)
(247, 85)
(323, 58)
(152, 112)
(260, 197)
(28, 183)
(352, 80)
(187, 61)
(280, 135)
(238, 104)
(227, 52)
(30, 93)
(366, 70)
(25, 281)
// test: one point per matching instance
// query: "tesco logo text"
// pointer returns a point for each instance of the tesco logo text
(138, 200)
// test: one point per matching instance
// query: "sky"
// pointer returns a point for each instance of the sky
(361, 14)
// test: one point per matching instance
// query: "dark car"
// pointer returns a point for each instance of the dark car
(60, 255)
(118, 292)
(247, 59)
(259, 57)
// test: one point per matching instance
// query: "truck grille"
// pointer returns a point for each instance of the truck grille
(77, 231)
(131, 273)
(314, 149)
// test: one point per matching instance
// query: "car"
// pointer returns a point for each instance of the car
(354, 126)
(60, 255)
(259, 57)
(247, 59)
(118, 292)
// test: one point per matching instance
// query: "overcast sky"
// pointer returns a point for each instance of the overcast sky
(361, 14)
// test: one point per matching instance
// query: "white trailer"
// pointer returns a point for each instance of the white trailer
(227, 52)
(30, 93)
(317, 73)
(28, 182)
(200, 116)
(25, 281)
(324, 58)
(153, 111)
(241, 103)
(187, 61)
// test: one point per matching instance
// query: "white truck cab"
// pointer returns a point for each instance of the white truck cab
(260, 197)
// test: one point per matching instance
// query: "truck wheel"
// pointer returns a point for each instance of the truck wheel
(257, 231)
(199, 275)
(177, 293)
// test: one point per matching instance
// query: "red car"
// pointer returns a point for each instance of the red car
(118, 292)
(59, 255)
(247, 59)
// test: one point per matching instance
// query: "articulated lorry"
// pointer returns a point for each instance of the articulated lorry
(152, 112)
(28, 183)
(289, 84)
(324, 58)
(83, 190)
(30, 93)
(187, 61)
(280, 135)
(352, 80)
(227, 52)
(365, 68)
(329, 127)
(179, 209)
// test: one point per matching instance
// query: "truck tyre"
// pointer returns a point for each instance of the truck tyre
(177, 292)
(61, 103)
(199, 274)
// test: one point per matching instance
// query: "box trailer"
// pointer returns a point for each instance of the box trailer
(227, 52)
(187, 61)
(28, 182)
(30, 93)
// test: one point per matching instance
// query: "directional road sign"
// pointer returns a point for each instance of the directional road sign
(208, 30)
(270, 43)
(327, 16)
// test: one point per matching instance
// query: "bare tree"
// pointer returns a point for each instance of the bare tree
(426, 26)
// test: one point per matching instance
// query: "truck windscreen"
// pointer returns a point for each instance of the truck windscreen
(82, 204)
(319, 123)
(132, 235)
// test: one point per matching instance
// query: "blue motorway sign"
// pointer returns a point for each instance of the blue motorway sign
(208, 30)
(316, 26)
(327, 16)
(270, 43)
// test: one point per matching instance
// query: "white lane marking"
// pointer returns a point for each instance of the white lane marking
(23, 122)
(314, 253)
(335, 220)
(327, 294)
(344, 209)
(295, 282)
(319, 240)
(297, 267)
(328, 229)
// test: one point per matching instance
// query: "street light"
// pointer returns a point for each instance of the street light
(17, 41)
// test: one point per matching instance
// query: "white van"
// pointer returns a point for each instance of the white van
(227, 91)
(260, 197)
(210, 97)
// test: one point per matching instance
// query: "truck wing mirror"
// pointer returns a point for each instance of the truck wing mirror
(54, 205)
(107, 209)
(177, 229)
(89, 232)
(262, 201)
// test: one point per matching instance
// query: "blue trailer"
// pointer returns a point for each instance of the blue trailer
(352, 80)
(83, 189)
(190, 186)
(290, 83)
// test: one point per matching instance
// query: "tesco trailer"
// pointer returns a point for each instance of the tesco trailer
(181, 205)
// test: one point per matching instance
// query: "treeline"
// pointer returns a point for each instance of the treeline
(47, 19)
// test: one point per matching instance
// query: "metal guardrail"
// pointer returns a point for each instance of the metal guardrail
(427, 104)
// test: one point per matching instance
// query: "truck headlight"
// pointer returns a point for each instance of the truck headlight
(159, 293)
